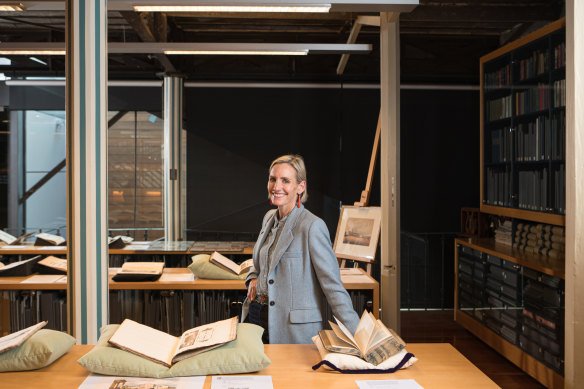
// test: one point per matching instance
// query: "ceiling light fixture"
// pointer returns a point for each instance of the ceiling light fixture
(31, 52)
(11, 7)
(236, 52)
(306, 8)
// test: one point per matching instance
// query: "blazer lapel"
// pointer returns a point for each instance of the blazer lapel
(263, 235)
(286, 237)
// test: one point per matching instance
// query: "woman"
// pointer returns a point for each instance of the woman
(294, 264)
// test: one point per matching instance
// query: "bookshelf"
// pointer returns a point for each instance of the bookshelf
(172, 304)
(523, 128)
(511, 295)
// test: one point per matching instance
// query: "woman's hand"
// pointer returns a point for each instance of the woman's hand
(251, 289)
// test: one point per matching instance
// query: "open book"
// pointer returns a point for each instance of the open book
(6, 238)
(22, 268)
(119, 241)
(139, 271)
(53, 265)
(225, 263)
(373, 341)
(16, 339)
(166, 349)
(44, 239)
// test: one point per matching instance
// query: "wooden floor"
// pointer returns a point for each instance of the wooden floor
(439, 326)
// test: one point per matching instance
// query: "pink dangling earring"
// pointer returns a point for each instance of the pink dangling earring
(298, 201)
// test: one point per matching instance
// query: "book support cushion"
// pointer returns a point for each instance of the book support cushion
(350, 364)
(40, 350)
(202, 268)
(243, 355)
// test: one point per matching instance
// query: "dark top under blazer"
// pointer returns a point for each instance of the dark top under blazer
(303, 269)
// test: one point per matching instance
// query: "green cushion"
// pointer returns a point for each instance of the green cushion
(40, 350)
(202, 268)
(243, 355)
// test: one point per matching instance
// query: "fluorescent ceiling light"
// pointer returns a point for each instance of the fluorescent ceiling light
(316, 8)
(11, 7)
(31, 52)
(38, 60)
(235, 52)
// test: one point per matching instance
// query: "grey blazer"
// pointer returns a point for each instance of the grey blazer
(303, 270)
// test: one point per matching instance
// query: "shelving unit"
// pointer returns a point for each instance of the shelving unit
(208, 300)
(512, 299)
(523, 128)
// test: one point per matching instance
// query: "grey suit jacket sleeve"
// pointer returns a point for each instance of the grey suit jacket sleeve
(327, 271)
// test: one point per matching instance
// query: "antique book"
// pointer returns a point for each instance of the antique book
(16, 339)
(166, 349)
(119, 241)
(6, 238)
(52, 264)
(373, 341)
(227, 264)
(139, 271)
(22, 268)
(44, 239)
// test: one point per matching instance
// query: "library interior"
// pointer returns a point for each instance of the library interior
(442, 146)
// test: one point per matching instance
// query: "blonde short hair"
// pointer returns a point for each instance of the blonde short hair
(297, 162)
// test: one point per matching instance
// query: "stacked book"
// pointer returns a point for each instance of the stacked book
(503, 233)
(542, 239)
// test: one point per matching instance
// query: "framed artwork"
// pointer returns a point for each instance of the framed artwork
(358, 233)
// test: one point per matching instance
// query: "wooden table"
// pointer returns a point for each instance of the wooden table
(439, 366)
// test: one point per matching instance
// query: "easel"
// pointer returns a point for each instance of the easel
(365, 195)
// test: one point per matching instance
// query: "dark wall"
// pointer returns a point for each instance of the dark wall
(439, 158)
(234, 133)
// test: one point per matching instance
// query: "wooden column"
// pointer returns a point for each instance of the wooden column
(390, 181)
(173, 166)
(574, 315)
(86, 105)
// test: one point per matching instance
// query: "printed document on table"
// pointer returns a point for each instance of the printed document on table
(42, 279)
(107, 382)
(176, 277)
(242, 382)
(389, 384)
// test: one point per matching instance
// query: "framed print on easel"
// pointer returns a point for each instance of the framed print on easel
(358, 233)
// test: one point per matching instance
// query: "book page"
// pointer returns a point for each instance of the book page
(57, 240)
(145, 341)
(343, 333)
(6, 237)
(207, 335)
(16, 264)
(245, 266)
(54, 262)
(143, 267)
(14, 340)
(224, 262)
(364, 331)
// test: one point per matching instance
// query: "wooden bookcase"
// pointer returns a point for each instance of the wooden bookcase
(523, 127)
(511, 299)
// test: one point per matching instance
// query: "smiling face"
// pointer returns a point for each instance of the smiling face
(283, 187)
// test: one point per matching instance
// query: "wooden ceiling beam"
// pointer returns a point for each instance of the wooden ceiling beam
(136, 21)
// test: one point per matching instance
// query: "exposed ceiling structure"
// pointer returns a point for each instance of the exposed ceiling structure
(440, 40)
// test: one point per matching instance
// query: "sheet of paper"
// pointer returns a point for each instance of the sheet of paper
(389, 384)
(350, 271)
(14, 247)
(105, 382)
(355, 278)
(42, 279)
(242, 382)
(176, 277)
(60, 248)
